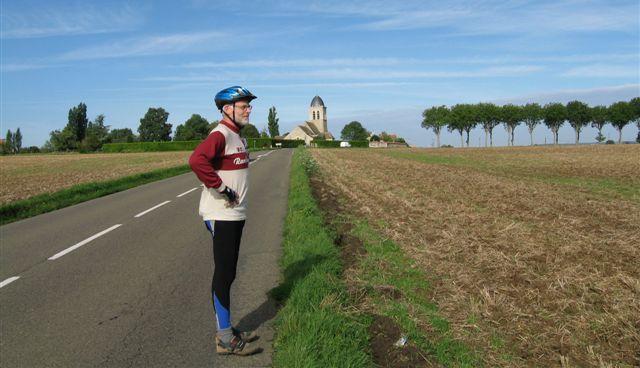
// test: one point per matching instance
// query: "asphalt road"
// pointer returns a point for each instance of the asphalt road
(139, 294)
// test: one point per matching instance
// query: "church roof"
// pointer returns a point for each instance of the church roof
(317, 101)
(312, 127)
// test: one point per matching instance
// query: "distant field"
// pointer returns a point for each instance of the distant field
(532, 253)
(24, 176)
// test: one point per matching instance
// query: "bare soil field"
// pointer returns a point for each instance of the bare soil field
(530, 266)
(23, 176)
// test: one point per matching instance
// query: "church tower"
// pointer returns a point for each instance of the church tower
(318, 114)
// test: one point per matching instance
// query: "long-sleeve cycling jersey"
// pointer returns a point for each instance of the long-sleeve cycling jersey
(222, 160)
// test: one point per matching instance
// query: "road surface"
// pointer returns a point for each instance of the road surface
(124, 280)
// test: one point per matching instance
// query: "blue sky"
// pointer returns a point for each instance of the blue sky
(381, 63)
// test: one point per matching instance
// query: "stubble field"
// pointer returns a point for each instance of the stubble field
(23, 176)
(532, 253)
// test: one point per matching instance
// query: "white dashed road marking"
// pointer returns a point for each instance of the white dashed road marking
(8, 281)
(151, 209)
(74, 247)
(187, 192)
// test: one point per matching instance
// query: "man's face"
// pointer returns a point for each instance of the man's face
(241, 112)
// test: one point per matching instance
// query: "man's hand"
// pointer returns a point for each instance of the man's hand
(232, 197)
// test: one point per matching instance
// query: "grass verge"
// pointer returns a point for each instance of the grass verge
(316, 327)
(47, 202)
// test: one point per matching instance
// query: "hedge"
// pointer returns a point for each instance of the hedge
(252, 143)
(336, 144)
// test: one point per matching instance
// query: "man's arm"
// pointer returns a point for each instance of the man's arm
(202, 157)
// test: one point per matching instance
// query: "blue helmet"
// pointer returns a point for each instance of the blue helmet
(232, 94)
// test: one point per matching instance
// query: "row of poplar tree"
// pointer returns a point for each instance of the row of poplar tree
(464, 117)
(84, 135)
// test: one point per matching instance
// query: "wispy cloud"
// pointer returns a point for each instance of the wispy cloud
(300, 63)
(486, 17)
(604, 71)
(350, 75)
(145, 46)
(603, 95)
(33, 21)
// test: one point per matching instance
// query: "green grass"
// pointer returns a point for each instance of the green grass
(314, 327)
(386, 264)
(47, 202)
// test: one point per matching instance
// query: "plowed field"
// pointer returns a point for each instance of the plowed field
(537, 247)
(23, 176)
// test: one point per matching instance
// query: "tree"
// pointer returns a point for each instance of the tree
(213, 125)
(98, 131)
(354, 131)
(531, 115)
(17, 141)
(457, 121)
(578, 115)
(272, 122)
(249, 131)
(386, 137)
(124, 135)
(8, 143)
(77, 123)
(511, 116)
(635, 106)
(488, 116)
(599, 118)
(554, 115)
(153, 126)
(463, 118)
(264, 133)
(195, 128)
(620, 114)
(64, 140)
(375, 138)
(434, 118)
(90, 143)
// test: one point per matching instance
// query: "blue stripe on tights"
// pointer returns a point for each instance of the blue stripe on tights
(222, 314)
(209, 225)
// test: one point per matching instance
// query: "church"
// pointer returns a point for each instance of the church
(315, 127)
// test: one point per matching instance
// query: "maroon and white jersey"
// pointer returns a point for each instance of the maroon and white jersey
(222, 160)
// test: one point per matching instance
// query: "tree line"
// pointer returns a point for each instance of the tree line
(84, 135)
(464, 117)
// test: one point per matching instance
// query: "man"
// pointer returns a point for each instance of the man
(221, 162)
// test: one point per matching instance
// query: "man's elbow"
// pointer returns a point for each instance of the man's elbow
(193, 161)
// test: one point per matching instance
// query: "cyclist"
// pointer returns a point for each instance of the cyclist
(221, 162)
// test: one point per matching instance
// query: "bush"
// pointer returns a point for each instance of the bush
(446, 146)
(360, 144)
(252, 143)
(325, 144)
(150, 146)
(259, 143)
(32, 149)
(288, 143)
(610, 142)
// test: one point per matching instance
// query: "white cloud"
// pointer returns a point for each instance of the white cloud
(603, 71)
(300, 63)
(486, 17)
(592, 96)
(42, 20)
(145, 46)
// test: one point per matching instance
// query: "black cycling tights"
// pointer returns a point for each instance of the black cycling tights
(226, 245)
